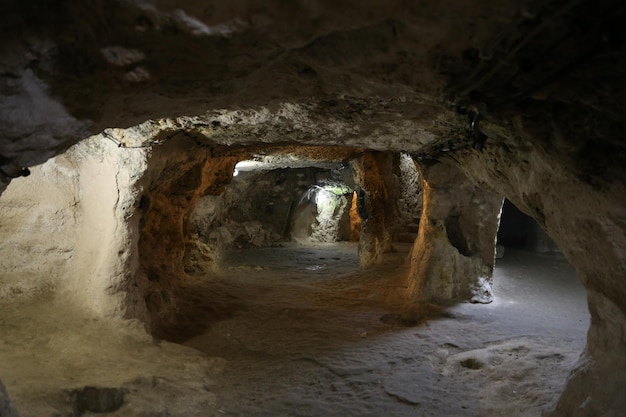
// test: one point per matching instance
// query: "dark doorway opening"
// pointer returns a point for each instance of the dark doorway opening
(520, 231)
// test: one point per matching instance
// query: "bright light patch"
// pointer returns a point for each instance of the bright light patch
(322, 198)
(248, 165)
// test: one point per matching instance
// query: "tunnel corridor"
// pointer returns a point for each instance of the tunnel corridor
(223, 269)
(316, 336)
(291, 208)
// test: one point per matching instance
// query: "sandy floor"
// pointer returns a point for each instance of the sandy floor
(48, 350)
(314, 336)
(314, 344)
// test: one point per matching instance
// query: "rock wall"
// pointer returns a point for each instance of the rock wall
(178, 174)
(105, 261)
(332, 219)
(107, 228)
(410, 203)
(69, 228)
(585, 217)
(211, 241)
(538, 239)
(453, 257)
(40, 215)
(355, 220)
(28, 112)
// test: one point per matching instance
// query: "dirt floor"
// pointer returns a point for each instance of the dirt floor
(314, 336)
(320, 338)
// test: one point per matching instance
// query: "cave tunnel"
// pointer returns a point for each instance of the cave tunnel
(299, 208)
(293, 196)
(228, 262)
(307, 204)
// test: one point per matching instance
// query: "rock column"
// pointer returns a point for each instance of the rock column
(375, 175)
(453, 256)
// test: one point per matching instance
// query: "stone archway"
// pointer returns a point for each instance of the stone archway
(574, 213)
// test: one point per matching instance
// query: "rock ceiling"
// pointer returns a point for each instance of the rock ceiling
(385, 75)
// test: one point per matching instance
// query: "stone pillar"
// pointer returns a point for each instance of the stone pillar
(374, 173)
(453, 256)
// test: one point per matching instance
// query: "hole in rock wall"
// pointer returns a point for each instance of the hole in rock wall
(538, 290)
(268, 204)
(270, 207)
(519, 231)
(264, 206)
(323, 213)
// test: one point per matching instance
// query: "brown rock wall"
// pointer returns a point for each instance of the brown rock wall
(178, 174)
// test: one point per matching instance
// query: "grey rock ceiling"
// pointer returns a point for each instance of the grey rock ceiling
(427, 69)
